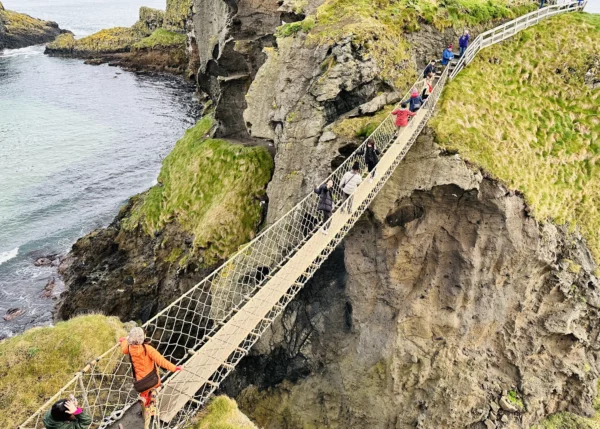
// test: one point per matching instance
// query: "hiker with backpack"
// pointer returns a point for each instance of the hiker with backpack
(416, 101)
(145, 361)
(65, 414)
(325, 193)
(349, 183)
(427, 87)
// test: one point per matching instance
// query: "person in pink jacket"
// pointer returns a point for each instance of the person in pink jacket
(402, 115)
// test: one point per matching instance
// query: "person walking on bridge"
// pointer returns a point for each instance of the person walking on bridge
(430, 69)
(416, 101)
(447, 56)
(145, 361)
(402, 115)
(325, 193)
(65, 414)
(371, 154)
(463, 43)
(349, 183)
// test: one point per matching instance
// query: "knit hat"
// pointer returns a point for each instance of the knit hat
(356, 166)
(450, 46)
(136, 336)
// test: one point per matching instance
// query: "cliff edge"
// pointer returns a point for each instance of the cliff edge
(18, 30)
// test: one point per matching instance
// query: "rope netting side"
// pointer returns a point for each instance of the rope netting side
(187, 324)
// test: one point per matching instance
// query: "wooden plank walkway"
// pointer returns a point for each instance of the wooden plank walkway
(180, 388)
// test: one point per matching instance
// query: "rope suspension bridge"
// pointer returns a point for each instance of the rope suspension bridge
(214, 325)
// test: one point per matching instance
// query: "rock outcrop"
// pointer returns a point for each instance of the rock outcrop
(167, 239)
(158, 42)
(451, 307)
(18, 30)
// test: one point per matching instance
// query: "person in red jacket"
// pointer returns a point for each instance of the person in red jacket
(145, 359)
(402, 115)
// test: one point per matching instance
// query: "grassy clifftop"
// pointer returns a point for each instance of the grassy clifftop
(212, 188)
(379, 25)
(523, 112)
(34, 365)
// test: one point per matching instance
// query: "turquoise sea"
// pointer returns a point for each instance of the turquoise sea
(75, 142)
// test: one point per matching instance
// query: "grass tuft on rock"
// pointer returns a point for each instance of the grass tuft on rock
(523, 112)
(161, 38)
(211, 188)
(222, 413)
(118, 39)
(36, 364)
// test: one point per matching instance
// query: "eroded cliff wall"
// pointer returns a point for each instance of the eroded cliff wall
(453, 307)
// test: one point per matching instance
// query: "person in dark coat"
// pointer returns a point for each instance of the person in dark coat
(415, 102)
(371, 157)
(430, 69)
(463, 42)
(325, 193)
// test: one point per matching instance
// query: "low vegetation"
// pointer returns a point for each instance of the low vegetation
(361, 127)
(177, 13)
(212, 188)
(161, 38)
(572, 421)
(378, 26)
(523, 112)
(222, 413)
(36, 364)
(118, 39)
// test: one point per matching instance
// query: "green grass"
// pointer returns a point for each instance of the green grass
(361, 127)
(222, 413)
(378, 26)
(211, 188)
(522, 112)
(572, 421)
(116, 39)
(36, 364)
(64, 42)
(161, 38)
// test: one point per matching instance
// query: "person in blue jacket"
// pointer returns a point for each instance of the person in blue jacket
(463, 42)
(447, 55)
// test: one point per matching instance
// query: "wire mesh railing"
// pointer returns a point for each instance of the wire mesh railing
(204, 314)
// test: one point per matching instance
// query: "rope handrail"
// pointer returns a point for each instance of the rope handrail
(225, 313)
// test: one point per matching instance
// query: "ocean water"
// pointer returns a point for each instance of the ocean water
(75, 142)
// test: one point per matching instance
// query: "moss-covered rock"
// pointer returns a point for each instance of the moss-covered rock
(36, 364)
(162, 38)
(18, 30)
(150, 20)
(177, 14)
(212, 188)
(222, 413)
(523, 112)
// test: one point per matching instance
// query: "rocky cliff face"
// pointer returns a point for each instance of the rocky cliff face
(450, 308)
(18, 30)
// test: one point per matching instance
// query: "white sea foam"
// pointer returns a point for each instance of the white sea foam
(29, 51)
(8, 255)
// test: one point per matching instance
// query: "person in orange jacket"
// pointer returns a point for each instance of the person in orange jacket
(145, 359)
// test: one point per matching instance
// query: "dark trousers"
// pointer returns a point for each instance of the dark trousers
(326, 219)
(371, 168)
(462, 50)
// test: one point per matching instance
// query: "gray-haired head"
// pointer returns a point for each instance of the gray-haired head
(136, 336)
